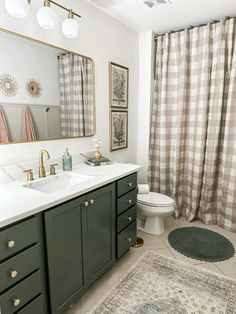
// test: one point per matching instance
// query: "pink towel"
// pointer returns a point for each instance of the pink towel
(4, 133)
(28, 131)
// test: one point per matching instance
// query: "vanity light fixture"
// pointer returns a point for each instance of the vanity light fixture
(18, 8)
(70, 27)
(46, 17)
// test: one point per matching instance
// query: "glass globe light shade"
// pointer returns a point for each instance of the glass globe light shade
(70, 28)
(17, 8)
(46, 17)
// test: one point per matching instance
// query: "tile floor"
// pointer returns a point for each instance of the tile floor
(159, 244)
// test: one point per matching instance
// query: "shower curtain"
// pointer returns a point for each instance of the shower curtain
(192, 154)
(76, 92)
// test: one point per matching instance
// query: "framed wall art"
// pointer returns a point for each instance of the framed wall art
(33, 88)
(119, 86)
(118, 130)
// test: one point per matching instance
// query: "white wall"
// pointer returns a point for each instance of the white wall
(102, 38)
(23, 61)
(146, 70)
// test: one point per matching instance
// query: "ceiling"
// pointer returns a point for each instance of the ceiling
(164, 18)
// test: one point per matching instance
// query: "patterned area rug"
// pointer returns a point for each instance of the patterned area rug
(156, 284)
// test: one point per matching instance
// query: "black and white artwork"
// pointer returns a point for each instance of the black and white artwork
(119, 81)
(119, 130)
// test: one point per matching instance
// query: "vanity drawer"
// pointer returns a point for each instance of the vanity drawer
(126, 184)
(21, 294)
(126, 239)
(37, 306)
(126, 201)
(19, 267)
(126, 218)
(18, 237)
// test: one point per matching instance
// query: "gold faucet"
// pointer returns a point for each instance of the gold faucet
(43, 152)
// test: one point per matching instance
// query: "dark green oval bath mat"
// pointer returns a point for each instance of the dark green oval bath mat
(201, 244)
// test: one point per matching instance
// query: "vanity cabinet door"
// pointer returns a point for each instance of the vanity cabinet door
(64, 238)
(99, 237)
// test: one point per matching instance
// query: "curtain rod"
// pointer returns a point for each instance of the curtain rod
(191, 27)
(63, 54)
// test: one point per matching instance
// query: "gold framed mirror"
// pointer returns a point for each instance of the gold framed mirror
(46, 92)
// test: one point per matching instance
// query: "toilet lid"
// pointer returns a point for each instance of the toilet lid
(155, 199)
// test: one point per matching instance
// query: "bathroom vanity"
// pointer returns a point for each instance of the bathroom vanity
(54, 245)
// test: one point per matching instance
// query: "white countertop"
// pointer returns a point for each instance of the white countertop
(18, 202)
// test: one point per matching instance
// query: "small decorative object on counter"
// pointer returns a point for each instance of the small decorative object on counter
(67, 161)
(102, 161)
(98, 146)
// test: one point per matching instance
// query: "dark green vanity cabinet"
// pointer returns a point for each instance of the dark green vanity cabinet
(99, 232)
(80, 238)
(22, 268)
(49, 260)
(63, 227)
(126, 214)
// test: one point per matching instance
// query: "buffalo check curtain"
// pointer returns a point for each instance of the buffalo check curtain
(76, 95)
(192, 153)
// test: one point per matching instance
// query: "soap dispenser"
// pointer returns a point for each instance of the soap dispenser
(67, 161)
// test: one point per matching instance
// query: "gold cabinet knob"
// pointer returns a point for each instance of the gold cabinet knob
(129, 201)
(53, 169)
(130, 184)
(91, 202)
(16, 301)
(29, 174)
(11, 244)
(129, 240)
(130, 218)
(86, 204)
(13, 273)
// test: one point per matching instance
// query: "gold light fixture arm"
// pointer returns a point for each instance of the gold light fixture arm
(64, 8)
(46, 3)
(71, 14)
(60, 6)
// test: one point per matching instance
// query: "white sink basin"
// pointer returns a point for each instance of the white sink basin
(58, 182)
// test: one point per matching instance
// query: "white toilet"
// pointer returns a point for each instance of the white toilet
(152, 209)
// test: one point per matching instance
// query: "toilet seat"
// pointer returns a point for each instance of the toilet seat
(153, 199)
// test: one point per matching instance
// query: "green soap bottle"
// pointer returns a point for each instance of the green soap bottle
(67, 161)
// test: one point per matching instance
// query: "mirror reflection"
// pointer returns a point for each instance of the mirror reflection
(45, 93)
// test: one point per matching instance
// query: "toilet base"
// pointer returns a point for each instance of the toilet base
(154, 225)
(151, 219)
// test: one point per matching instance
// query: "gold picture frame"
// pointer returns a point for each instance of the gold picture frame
(118, 86)
(118, 129)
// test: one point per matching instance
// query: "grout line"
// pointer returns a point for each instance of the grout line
(164, 243)
(172, 254)
(219, 269)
